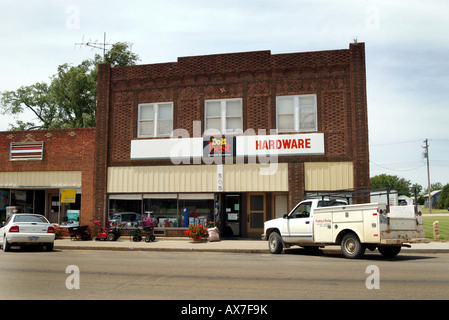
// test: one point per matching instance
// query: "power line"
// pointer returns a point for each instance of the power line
(399, 163)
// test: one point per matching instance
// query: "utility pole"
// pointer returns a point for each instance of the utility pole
(426, 154)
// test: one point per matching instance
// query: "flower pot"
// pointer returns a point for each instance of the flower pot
(197, 239)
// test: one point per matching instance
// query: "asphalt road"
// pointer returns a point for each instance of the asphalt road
(294, 275)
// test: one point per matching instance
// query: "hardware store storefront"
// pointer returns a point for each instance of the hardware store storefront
(175, 196)
(228, 139)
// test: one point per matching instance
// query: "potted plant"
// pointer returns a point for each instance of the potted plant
(197, 233)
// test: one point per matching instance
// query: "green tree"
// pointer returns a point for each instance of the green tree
(120, 55)
(394, 182)
(433, 187)
(443, 203)
(69, 101)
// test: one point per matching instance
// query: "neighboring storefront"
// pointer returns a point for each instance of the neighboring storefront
(230, 140)
(48, 172)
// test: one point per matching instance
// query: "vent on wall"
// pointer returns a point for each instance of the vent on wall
(27, 151)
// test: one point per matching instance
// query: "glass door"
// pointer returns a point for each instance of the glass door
(256, 214)
(232, 215)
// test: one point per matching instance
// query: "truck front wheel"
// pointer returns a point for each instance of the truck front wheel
(351, 246)
(275, 243)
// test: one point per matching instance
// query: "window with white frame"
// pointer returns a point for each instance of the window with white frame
(155, 119)
(296, 113)
(224, 116)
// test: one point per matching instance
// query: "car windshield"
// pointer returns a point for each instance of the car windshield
(29, 218)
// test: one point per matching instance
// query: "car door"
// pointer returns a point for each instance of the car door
(299, 223)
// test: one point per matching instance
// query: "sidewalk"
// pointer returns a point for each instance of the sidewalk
(235, 246)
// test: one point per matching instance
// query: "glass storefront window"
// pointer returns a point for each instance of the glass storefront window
(4, 202)
(162, 213)
(125, 213)
(161, 210)
(24, 199)
(199, 211)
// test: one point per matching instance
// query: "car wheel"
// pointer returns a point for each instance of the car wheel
(275, 243)
(6, 245)
(49, 246)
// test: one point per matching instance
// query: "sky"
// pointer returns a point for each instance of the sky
(406, 46)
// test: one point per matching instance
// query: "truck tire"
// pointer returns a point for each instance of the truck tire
(275, 243)
(351, 246)
(389, 252)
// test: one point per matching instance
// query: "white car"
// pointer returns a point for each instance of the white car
(27, 229)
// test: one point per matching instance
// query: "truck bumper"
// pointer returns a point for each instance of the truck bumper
(402, 241)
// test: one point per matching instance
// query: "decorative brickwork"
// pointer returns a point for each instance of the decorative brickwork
(337, 77)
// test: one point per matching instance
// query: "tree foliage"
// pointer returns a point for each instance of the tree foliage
(69, 101)
(443, 203)
(394, 182)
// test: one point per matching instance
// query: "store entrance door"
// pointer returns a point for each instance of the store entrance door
(256, 214)
(53, 206)
(232, 215)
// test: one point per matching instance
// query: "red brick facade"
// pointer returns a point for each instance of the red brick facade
(64, 150)
(337, 77)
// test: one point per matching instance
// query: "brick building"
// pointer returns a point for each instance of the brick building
(234, 139)
(49, 172)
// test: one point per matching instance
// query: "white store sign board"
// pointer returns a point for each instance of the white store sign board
(281, 145)
(250, 146)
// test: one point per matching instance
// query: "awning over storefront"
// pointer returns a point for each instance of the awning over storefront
(40, 179)
(199, 178)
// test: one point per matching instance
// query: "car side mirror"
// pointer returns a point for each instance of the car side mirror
(285, 216)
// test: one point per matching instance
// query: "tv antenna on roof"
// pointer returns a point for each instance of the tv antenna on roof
(95, 44)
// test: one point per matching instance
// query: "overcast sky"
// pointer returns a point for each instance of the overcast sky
(407, 50)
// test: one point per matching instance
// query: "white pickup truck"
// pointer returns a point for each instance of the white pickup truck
(317, 223)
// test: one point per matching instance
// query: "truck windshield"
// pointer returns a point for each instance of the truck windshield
(331, 203)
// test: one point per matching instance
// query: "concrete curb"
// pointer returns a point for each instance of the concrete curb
(225, 246)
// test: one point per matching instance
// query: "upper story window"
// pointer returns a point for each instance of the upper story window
(296, 113)
(155, 120)
(223, 115)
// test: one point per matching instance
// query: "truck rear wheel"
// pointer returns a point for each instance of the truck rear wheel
(275, 243)
(389, 252)
(351, 246)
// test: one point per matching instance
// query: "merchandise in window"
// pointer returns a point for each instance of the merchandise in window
(124, 213)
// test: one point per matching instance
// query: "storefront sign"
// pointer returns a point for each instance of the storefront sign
(166, 148)
(68, 196)
(240, 146)
(281, 145)
(219, 146)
